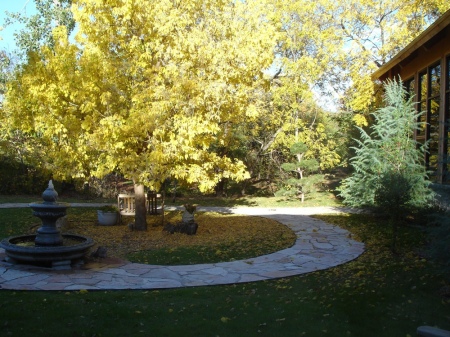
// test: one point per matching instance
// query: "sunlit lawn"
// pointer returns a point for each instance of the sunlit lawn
(378, 294)
(325, 198)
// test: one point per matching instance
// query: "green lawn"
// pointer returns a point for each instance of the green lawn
(378, 294)
(325, 198)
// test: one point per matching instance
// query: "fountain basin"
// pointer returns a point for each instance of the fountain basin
(22, 249)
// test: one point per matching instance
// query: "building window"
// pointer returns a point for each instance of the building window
(410, 87)
(422, 107)
(430, 130)
(433, 107)
(446, 133)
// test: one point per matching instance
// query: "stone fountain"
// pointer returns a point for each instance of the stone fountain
(48, 247)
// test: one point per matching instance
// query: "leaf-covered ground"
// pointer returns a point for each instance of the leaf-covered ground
(219, 238)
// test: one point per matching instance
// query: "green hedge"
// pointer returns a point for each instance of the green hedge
(19, 178)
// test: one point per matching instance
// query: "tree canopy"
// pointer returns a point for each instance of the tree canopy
(145, 88)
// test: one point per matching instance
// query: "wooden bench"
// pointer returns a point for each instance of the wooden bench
(151, 202)
(126, 203)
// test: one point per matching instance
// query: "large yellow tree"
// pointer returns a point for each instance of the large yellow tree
(145, 88)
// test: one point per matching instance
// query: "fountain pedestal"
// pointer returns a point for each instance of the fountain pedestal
(49, 211)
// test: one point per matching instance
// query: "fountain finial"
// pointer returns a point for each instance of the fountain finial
(50, 195)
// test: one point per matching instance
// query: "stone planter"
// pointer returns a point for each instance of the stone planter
(107, 218)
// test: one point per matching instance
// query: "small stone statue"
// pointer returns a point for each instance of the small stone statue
(188, 214)
(188, 225)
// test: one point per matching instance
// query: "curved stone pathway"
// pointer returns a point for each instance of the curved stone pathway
(319, 246)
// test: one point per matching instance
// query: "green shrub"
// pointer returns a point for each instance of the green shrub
(19, 178)
(389, 164)
(302, 176)
(393, 191)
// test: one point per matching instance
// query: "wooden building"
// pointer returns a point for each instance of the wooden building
(424, 67)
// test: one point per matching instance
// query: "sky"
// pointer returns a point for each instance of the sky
(25, 6)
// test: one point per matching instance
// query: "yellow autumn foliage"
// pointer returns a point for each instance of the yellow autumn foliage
(150, 88)
(146, 88)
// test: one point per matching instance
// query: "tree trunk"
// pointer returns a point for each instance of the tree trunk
(220, 188)
(140, 218)
(302, 196)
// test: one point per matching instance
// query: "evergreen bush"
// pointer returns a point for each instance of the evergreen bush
(302, 174)
(389, 168)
